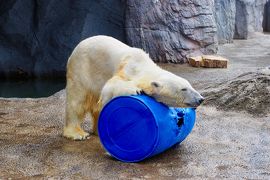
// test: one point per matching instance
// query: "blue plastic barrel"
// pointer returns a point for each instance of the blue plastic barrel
(133, 128)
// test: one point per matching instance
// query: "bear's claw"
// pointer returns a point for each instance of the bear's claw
(75, 133)
(139, 92)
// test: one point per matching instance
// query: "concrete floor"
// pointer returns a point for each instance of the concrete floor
(222, 144)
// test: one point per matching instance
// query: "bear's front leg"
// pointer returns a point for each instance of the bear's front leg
(114, 87)
(75, 113)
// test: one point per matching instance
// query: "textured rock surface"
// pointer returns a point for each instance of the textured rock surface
(36, 37)
(225, 20)
(239, 18)
(171, 30)
(249, 17)
(249, 92)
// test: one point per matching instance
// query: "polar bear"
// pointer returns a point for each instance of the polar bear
(101, 68)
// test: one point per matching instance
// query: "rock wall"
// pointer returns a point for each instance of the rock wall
(171, 30)
(225, 20)
(37, 36)
(237, 19)
(249, 17)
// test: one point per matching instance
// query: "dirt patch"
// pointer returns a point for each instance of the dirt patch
(248, 92)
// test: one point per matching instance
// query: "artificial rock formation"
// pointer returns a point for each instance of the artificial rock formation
(38, 36)
(171, 30)
(237, 19)
(225, 20)
(249, 17)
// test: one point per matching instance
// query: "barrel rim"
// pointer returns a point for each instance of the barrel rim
(148, 154)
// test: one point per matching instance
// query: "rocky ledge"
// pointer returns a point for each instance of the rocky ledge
(248, 92)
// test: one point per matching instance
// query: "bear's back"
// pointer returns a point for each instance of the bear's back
(103, 42)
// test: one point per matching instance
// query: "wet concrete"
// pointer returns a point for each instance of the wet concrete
(223, 144)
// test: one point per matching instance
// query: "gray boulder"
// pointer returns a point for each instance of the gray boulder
(225, 20)
(171, 30)
(38, 36)
(249, 17)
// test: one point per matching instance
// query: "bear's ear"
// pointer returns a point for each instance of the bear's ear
(156, 86)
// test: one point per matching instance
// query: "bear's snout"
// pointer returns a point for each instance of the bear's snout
(193, 98)
(196, 102)
(200, 101)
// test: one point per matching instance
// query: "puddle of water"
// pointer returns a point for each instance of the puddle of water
(30, 88)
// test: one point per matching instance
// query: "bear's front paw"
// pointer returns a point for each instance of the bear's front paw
(130, 91)
(75, 133)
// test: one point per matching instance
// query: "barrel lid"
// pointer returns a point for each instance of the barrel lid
(127, 129)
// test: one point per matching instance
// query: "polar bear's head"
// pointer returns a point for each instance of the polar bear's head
(173, 91)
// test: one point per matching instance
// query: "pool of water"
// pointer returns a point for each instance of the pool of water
(30, 88)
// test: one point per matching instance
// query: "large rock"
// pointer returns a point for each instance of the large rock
(171, 30)
(248, 92)
(36, 37)
(225, 19)
(249, 17)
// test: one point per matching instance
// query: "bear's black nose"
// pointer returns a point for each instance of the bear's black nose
(201, 100)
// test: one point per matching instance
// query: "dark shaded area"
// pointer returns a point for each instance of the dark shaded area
(33, 88)
(37, 36)
(266, 18)
(241, 29)
(180, 121)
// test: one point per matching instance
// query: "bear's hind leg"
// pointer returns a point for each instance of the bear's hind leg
(75, 114)
(92, 106)
(95, 115)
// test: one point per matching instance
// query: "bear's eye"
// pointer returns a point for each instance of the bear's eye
(184, 89)
(155, 84)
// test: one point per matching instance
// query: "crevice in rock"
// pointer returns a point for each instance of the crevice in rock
(266, 17)
(241, 22)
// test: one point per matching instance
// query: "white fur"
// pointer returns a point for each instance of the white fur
(102, 67)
